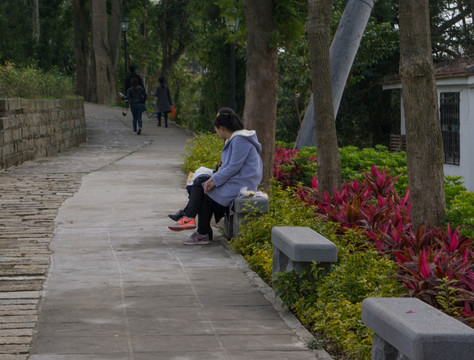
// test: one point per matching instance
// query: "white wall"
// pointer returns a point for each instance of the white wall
(466, 130)
(465, 86)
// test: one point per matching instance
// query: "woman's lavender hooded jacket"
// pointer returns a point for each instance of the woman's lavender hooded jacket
(241, 167)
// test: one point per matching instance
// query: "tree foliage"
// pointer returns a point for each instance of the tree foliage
(51, 47)
(200, 79)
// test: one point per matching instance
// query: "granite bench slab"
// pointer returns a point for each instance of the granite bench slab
(295, 248)
(410, 329)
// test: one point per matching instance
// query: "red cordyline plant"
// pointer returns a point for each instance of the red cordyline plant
(372, 206)
(290, 167)
(445, 256)
(285, 167)
(426, 257)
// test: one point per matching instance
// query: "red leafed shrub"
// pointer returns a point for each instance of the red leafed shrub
(285, 168)
(428, 259)
(293, 166)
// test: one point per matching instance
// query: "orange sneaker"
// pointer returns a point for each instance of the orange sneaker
(184, 223)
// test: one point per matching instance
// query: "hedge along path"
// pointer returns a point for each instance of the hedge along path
(28, 207)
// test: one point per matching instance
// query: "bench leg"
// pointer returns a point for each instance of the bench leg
(382, 350)
(280, 261)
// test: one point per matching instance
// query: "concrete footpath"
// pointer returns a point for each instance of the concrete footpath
(121, 286)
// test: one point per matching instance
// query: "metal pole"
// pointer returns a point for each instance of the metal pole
(125, 62)
(232, 76)
(342, 53)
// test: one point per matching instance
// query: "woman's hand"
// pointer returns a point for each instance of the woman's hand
(209, 185)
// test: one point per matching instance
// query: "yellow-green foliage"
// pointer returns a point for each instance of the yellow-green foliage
(337, 310)
(32, 83)
(202, 150)
(461, 213)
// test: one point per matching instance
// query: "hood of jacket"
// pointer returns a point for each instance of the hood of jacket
(250, 135)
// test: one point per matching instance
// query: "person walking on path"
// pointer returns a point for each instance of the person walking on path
(136, 96)
(163, 101)
(241, 167)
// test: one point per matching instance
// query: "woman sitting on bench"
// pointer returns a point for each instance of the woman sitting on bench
(241, 167)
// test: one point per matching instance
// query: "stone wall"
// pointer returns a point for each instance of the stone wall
(31, 129)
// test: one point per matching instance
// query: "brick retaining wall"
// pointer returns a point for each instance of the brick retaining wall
(31, 129)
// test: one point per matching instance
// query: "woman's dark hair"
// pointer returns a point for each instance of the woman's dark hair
(228, 118)
(161, 79)
(134, 82)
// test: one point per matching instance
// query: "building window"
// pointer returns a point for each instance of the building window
(449, 116)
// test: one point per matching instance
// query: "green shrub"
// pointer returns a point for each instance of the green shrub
(32, 83)
(330, 303)
(202, 150)
(459, 206)
(337, 311)
(298, 289)
(461, 213)
(355, 161)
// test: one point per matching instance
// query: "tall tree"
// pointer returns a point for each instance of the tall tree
(81, 47)
(97, 60)
(329, 164)
(175, 32)
(100, 48)
(114, 48)
(36, 21)
(261, 80)
(423, 129)
(17, 39)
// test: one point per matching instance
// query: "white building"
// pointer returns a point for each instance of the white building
(455, 84)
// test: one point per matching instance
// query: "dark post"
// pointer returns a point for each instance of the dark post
(124, 26)
(232, 26)
(232, 76)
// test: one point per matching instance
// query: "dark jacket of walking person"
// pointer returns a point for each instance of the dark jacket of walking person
(163, 101)
(136, 96)
(132, 75)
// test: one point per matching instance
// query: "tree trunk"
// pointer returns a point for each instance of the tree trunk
(165, 68)
(114, 48)
(261, 80)
(100, 44)
(342, 54)
(105, 50)
(470, 4)
(36, 21)
(423, 129)
(329, 164)
(81, 47)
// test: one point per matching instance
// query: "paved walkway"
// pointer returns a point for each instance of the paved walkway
(122, 286)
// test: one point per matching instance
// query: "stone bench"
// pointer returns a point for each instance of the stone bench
(409, 329)
(295, 248)
(240, 207)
